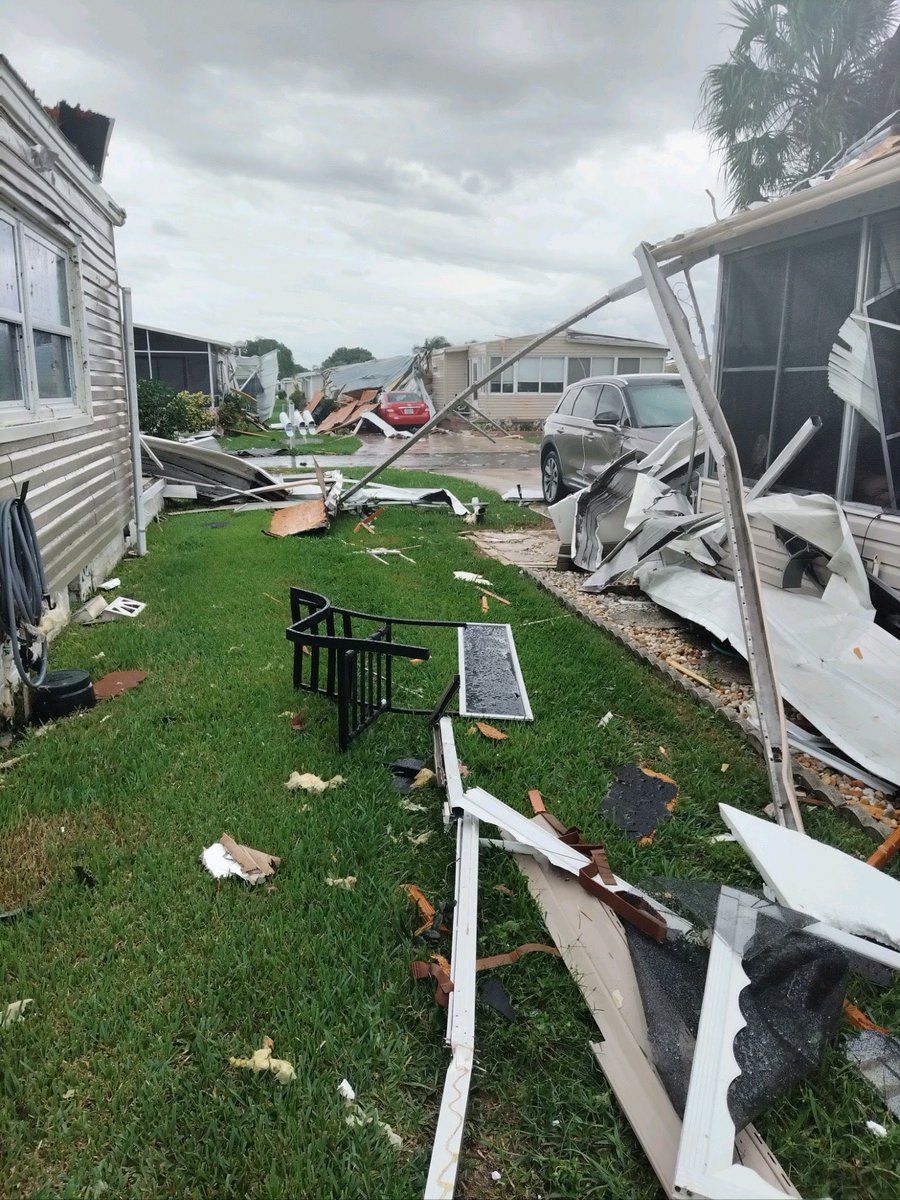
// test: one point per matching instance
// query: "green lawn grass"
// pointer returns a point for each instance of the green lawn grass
(118, 1083)
(327, 444)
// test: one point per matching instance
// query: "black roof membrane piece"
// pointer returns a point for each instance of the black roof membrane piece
(639, 801)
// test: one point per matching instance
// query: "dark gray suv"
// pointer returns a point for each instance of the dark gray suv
(598, 419)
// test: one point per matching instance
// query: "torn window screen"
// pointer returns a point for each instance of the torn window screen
(783, 310)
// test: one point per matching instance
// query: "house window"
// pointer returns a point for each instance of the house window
(504, 382)
(528, 375)
(603, 366)
(552, 372)
(38, 379)
(652, 365)
(577, 369)
(628, 366)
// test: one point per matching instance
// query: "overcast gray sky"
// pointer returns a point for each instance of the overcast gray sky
(375, 172)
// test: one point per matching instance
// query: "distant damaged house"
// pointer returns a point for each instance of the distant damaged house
(64, 426)
(529, 390)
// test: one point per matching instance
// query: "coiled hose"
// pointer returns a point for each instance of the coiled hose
(22, 590)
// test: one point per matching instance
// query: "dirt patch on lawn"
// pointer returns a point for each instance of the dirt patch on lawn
(44, 848)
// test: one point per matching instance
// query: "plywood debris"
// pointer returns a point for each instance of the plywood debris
(307, 516)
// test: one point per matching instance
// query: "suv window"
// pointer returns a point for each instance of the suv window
(564, 408)
(612, 400)
(586, 402)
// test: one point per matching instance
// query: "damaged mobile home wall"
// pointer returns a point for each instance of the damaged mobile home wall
(63, 418)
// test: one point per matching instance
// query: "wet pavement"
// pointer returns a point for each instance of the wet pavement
(499, 465)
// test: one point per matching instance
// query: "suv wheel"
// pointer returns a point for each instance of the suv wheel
(551, 478)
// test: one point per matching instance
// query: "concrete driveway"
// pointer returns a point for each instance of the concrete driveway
(499, 465)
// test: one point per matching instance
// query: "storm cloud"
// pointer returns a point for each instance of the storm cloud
(373, 172)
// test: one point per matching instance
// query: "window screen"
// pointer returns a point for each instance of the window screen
(755, 299)
(603, 366)
(821, 289)
(628, 366)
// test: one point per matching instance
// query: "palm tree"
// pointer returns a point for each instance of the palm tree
(797, 86)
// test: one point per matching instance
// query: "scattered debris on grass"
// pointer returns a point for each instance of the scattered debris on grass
(228, 857)
(297, 721)
(11, 762)
(14, 1012)
(124, 606)
(116, 683)
(878, 1130)
(422, 778)
(312, 783)
(418, 839)
(605, 720)
(262, 1060)
(358, 1116)
(109, 585)
(404, 772)
(492, 992)
(303, 516)
(471, 577)
(346, 883)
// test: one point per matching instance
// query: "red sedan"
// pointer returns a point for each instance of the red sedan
(402, 410)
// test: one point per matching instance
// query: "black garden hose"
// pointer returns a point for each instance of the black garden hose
(23, 589)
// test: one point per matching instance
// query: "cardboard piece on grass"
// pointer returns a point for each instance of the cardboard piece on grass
(262, 1060)
(115, 683)
(308, 782)
(306, 516)
(228, 857)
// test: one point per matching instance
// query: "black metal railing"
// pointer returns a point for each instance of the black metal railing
(348, 656)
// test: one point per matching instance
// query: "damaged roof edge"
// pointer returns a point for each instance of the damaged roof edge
(865, 190)
(30, 116)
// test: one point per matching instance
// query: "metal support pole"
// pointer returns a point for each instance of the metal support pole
(759, 656)
(140, 519)
(617, 293)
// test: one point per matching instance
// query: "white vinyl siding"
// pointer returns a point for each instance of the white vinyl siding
(78, 466)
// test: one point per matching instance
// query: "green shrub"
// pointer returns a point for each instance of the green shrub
(166, 413)
(198, 412)
(233, 411)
